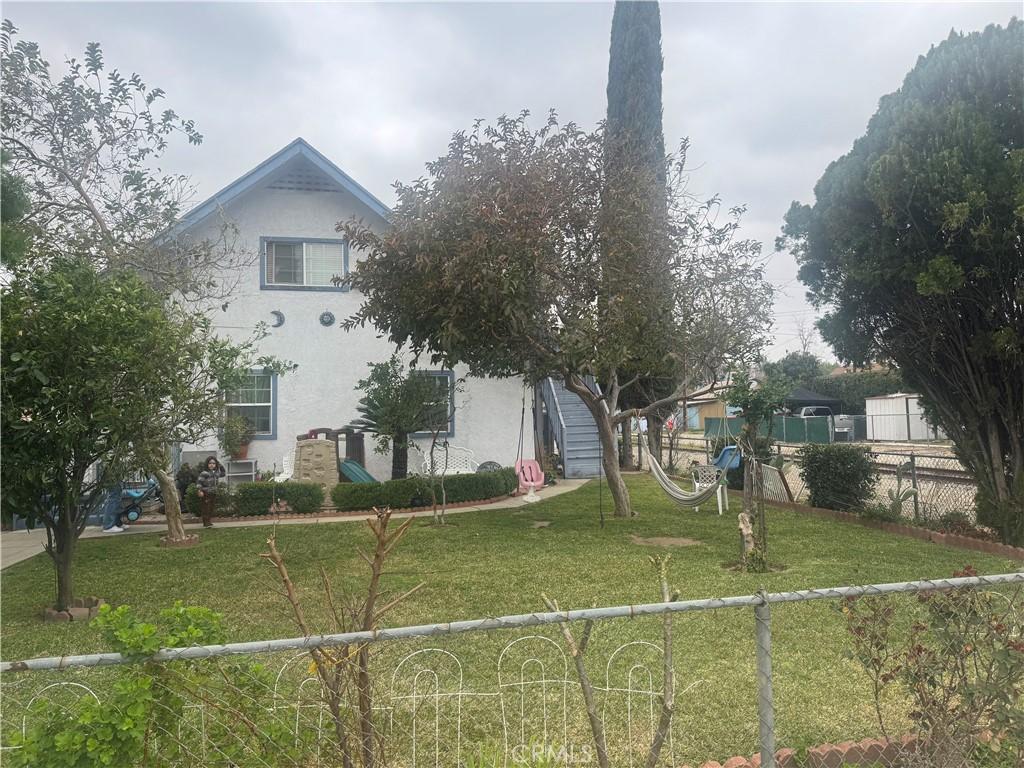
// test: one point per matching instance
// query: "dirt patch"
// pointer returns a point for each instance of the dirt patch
(663, 541)
(541, 523)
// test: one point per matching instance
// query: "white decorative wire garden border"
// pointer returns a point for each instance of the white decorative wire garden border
(427, 693)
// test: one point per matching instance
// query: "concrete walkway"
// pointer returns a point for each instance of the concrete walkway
(16, 546)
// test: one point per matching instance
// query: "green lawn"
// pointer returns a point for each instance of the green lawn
(496, 562)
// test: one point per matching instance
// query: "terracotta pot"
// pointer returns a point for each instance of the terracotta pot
(242, 452)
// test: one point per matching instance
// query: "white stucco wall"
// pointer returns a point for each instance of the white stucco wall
(322, 391)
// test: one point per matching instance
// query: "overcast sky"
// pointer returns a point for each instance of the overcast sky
(768, 93)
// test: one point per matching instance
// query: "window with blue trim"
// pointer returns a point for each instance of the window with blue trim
(440, 410)
(254, 402)
(297, 263)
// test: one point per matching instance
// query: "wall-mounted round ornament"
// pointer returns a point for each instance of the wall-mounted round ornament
(278, 318)
(326, 319)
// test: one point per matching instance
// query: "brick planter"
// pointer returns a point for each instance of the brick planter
(332, 513)
(82, 609)
(892, 753)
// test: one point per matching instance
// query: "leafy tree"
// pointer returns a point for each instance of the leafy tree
(913, 244)
(395, 405)
(495, 260)
(852, 388)
(800, 368)
(86, 146)
(757, 404)
(98, 375)
(15, 237)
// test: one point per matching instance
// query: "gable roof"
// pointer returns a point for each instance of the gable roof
(300, 148)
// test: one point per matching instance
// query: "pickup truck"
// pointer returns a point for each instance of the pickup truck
(842, 425)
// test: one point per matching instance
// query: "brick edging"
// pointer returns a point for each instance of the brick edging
(912, 531)
(867, 752)
(332, 513)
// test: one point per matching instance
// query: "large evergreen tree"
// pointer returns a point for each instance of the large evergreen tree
(914, 246)
(633, 130)
(637, 257)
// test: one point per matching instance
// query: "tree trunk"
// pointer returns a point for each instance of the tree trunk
(610, 462)
(399, 456)
(654, 439)
(748, 485)
(609, 456)
(172, 505)
(626, 457)
(746, 538)
(63, 555)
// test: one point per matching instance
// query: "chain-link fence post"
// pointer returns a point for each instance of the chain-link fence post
(765, 704)
(913, 484)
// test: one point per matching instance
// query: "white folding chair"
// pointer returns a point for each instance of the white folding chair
(287, 468)
(706, 475)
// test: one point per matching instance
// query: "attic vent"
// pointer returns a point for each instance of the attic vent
(304, 178)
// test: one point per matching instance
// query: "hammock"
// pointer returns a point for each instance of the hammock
(685, 498)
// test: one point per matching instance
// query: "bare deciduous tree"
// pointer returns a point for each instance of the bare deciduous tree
(344, 672)
(578, 649)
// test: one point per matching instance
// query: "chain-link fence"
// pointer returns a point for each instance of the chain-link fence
(911, 674)
(909, 427)
(941, 487)
(925, 488)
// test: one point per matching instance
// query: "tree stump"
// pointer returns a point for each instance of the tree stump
(746, 526)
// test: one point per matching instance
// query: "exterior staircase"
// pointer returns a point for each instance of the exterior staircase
(572, 429)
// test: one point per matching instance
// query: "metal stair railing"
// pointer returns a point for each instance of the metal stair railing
(554, 408)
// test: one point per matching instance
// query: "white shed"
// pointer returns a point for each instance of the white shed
(898, 418)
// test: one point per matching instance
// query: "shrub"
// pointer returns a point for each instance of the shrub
(223, 504)
(399, 494)
(415, 491)
(258, 498)
(480, 485)
(882, 513)
(837, 476)
(762, 449)
(960, 664)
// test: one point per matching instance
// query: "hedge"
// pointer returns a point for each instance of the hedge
(258, 498)
(837, 476)
(223, 504)
(415, 491)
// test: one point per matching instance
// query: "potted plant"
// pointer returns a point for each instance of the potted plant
(236, 436)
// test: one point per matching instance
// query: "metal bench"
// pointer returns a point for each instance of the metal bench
(449, 460)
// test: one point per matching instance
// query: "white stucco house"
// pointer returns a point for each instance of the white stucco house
(286, 210)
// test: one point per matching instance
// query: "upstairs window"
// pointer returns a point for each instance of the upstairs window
(296, 263)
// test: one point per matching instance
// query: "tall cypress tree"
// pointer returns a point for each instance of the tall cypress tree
(633, 128)
(636, 254)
